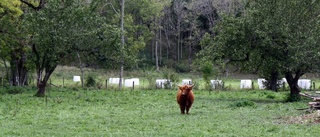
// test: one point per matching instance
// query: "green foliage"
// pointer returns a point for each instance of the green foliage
(242, 103)
(207, 70)
(271, 37)
(10, 9)
(14, 90)
(182, 67)
(137, 14)
(271, 96)
(90, 81)
(293, 98)
(61, 29)
(13, 43)
(170, 74)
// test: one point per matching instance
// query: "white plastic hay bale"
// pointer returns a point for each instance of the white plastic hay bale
(131, 82)
(160, 83)
(128, 82)
(245, 84)
(76, 78)
(114, 80)
(261, 83)
(186, 81)
(136, 81)
(284, 80)
(216, 83)
(304, 83)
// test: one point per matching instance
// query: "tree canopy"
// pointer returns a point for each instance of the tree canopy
(60, 30)
(271, 37)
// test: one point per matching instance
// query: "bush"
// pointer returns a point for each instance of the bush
(170, 74)
(13, 90)
(243, 103)
(90, 81)
(293, 98)
(182, 67)
(151, 76)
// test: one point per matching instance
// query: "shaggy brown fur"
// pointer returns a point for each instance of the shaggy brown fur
(185, 98)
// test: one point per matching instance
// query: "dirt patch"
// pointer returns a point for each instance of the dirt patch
(310, 118)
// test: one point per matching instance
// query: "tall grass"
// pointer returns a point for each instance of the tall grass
(65, 112)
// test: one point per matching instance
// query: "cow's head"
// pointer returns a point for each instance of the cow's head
(185, 89)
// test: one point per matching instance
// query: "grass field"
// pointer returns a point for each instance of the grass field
(65, 112)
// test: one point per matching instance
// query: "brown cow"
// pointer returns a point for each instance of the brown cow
(185, 98)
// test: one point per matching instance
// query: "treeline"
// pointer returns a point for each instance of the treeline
(272, 38)
(38, 35)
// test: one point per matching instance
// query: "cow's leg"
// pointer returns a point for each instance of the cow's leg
(188, 106)
(188, 109)
(182, 108)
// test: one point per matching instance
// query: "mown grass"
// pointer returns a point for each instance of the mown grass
(65, 112)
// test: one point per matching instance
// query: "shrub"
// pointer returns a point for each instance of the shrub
(90, 81)
(99, 85)
(170, 74)
(13, 90)
(151, 76)
(243, 103)
(182, 67)
(293, 97)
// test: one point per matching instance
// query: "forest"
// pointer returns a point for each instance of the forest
(270, 38)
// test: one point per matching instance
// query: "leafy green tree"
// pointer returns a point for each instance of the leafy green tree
(9, 14)
(136, 18)
(271, 37)
(61, 29)
(13, 47)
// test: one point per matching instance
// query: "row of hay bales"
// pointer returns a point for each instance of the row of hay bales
(248, 84)
(215, 84)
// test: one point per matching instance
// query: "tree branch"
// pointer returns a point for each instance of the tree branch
(41, 5)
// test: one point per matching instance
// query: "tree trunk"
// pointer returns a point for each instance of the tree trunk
(293, 84)
(6, 75)
(122, 45)
(152, 49)
(19, 73)
(273, 81)
(160, 46)
(294, 88)
(41, 89)
(178, 46)
(156, 53)
(80, 66)
(42, 83)
(168, 42)
(190, 49)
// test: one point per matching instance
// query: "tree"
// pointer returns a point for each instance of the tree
(271, 37)
(62, 28)
(122, 44)
(13, 45)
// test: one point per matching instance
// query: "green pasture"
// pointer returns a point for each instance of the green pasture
(70, 112)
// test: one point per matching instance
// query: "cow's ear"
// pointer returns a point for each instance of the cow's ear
(180, 87)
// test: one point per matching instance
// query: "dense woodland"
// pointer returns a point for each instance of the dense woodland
(272, 38)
